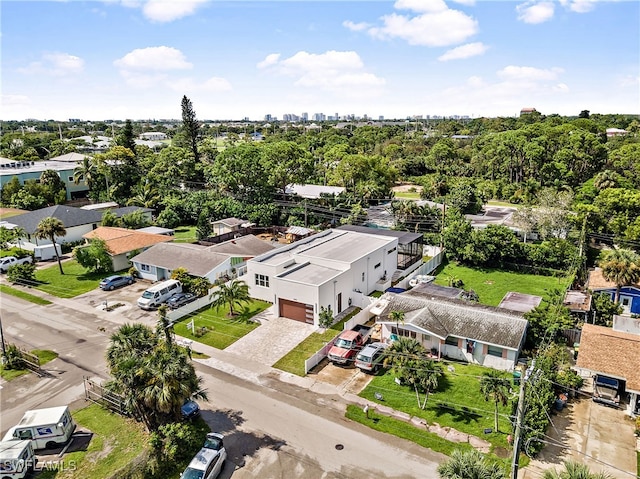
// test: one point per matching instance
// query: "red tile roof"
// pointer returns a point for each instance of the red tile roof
(122, 240)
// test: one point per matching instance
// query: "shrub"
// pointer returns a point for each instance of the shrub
(22, 273)
(173, 444)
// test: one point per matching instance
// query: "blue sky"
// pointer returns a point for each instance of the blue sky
(118, 59)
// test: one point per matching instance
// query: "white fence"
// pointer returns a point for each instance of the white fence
(314, 360)
(177, 314)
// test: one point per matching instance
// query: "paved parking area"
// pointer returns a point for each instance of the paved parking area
(599, 436)
(272, 340)
(127, 296)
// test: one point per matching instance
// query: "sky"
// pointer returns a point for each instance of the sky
(136, 59)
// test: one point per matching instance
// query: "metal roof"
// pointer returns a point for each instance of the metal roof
(50, 415)
(404, 237)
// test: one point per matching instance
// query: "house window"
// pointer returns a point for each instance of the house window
(70, 178)
(403, 332)
(494, 351)
(377, 266)
(451, 341)
(145, 267)
(391, 250)
(363, 277)
(262, 280)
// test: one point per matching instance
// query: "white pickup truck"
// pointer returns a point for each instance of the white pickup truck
(8, 261)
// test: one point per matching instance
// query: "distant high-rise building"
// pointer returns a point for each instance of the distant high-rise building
(305, 116)
(268, 117)
(319, 117)
(380, 118)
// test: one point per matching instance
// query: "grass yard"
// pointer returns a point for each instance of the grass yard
(116, 442)
(407, 195)
(492, 284)
(23, 295)
(222, 331)
(185, 234)
(44, 355)
(457, 403)
(75, 281)
(293, 362)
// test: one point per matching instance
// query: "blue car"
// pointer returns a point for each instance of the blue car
(112, 282)
(190, 409)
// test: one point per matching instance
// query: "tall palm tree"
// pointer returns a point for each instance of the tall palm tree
(49, 228)
(232, 294)
(146, 195)
(469, 465)
(398, 318)
(164, 327)
(130, 340)
(622, 267)
(18, 234)
(87, 171)
(494, 386)
(402, 355)
(573, 470)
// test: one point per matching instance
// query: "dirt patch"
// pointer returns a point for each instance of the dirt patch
(9, 212)
(332, 374)
(407, 187)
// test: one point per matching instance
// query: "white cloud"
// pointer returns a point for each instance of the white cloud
(512, 72)
(190, 85)
(579, 6)
(269, 60)
(332, 70)
(153, 58)
(421, 5)
(464, 51)
(560, 87)
(437, 29)
(355, 27)
(15, 100)
(535, 12)
(629, 80)
(169, 10)
(55, 64)
(468, 3)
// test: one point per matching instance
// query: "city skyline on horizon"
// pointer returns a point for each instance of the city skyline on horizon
(242, 59)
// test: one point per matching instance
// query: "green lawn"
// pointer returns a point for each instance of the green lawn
(222, 330)
(293, 362)
(457, 403)
(185, 234)
(4, 289)
(116, 442)
(406, 195)
(492, 284)
(75, 281)
(44, 355)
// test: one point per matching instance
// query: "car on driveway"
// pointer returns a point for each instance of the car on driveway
(115, 281)
(180, 299)
(190, 409)
(208, 463)
(370, 359)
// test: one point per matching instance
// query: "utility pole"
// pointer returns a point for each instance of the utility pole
(4, 347)
(519, 421)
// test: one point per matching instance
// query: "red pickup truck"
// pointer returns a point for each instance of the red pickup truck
(348, 344)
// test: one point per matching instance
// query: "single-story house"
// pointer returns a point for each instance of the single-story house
(124, 243)
(153, 135)
(76, 221)
(456, 329)
(629, 295)
(227, 225)
(327, 269)
(223, 260)
(613, 352)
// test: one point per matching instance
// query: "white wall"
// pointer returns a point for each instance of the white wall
(151, 275)
(261, 292)
(74, 233)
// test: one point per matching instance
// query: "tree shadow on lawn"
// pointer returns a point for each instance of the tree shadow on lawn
(245, 315)
(457, 414)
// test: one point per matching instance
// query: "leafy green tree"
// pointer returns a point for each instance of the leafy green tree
(574, 470)
(49, 228)
(135, 220)
(496, 387)
(604, 308)
(109, 218)
(9, 190)
(52, 187)
(126, 137)
(232, 295)
(469, 465)
(286, 162)
(26, 200)
(622, 267)
(94, 256)
(547, 320)
(456, 235)
(190, 129)
(203, 228)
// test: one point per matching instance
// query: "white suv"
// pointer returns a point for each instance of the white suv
(371, 357)
(208, 463)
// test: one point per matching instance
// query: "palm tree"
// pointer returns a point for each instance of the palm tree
(145, 195)
(86, 170)
(130, 340)
(402, 355)
(425, 377)
(49, 228)
(232, 294)
(622, 267)
(397, 317)
(18, 233)
(492, 385)
(469, 465)
(164, 327)
(573, 470)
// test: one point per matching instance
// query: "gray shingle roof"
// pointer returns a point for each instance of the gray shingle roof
(197, 261)
(446, 317)
(69, 215)
(247, 245)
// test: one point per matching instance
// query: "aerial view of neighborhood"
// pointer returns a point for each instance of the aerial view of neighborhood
(320, 240)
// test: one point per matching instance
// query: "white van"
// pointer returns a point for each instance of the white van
(159, 293)
(17, 459)
(45, 428)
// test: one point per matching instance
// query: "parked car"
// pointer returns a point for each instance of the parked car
(180, 299)
(190, 409)
(349, 344)
(371, 357)
(112, 282)
(9, 261)
(208, 463)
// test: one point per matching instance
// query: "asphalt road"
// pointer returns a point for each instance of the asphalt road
(273, 429)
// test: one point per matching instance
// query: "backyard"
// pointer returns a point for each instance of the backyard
(185, 234)
(221, 330)
(76, 280)
(491, 284)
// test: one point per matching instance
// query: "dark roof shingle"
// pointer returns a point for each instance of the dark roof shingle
(69, 215)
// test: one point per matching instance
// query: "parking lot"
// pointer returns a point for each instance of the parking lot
(126, 297)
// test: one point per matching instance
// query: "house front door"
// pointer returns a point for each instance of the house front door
(339, 302)
(625, 302)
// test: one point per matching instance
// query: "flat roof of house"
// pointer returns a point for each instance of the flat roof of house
(443, 317)
(123, 240)
(100, 206)
(311, 274)
(314, 191)
(404, 237)
(36, 167)
(430, 289)
(520, 302)
(231, 221)
(609, 352)
(577, 300)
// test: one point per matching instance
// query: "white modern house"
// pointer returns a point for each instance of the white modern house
(455, 329)
(328, 269)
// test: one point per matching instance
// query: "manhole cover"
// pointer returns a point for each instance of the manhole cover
(339, 447)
